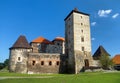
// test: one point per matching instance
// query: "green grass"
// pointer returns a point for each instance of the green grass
(62, 78)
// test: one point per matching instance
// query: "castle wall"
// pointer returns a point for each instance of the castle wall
(69, 44)
(82, 42)
(78, 41)
(18, 60)
(45, 63)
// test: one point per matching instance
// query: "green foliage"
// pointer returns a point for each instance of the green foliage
(5, 64)
(1, 66)
(106, 62)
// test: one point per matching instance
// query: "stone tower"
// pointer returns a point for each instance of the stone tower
(78, 41)
(19, 55)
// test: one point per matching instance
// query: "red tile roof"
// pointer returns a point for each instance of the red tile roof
(116, 59)
(59, 39)
(41, 40)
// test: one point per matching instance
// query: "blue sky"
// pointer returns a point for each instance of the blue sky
(34, 18)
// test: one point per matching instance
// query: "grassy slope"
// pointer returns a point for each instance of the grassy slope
(62, 78)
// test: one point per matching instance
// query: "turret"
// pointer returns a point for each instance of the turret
(19, 55)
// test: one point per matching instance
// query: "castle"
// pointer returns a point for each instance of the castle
(69, 55)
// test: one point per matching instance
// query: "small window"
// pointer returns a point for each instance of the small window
(81, 16)
(50, 63)
(42, 62)
(82, 39)
(58, 44)
(33, 63)
(83, 48)
(19, 58)
(57, 63)
(81, 23)
(82, 31)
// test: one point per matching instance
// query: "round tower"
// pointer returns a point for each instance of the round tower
(19, 55)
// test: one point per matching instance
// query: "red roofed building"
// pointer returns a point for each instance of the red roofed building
(116, 61)
(43, 45)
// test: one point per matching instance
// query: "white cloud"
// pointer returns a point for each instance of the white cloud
(93, 39)
(115, 15)
(93, 23)
(104, 13)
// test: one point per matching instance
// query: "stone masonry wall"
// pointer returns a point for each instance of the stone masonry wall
(18, 60)
(44, 63)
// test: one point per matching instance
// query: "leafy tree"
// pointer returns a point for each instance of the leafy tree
(6, 62)
(1, 66)
(106, 62)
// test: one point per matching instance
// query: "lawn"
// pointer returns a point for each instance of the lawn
(96, 77)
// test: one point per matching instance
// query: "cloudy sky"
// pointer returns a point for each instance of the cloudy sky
(34, 18)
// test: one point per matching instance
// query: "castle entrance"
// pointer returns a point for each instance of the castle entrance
(86, 61)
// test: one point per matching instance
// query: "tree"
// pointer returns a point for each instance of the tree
(1, 66)
(106, 62)
(6, 62)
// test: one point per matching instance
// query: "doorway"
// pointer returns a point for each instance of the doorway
(86, 62)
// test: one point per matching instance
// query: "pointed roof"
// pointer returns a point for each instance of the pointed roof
(21, 42)
(100, 52)
(116, 59)
(41, 40)
(59, 39)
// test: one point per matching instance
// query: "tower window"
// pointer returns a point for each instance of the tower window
(42, 62)
(50, 63)
(83, 49)
(82, 31)
(57, 63)
(19, 58)
(82, 39)
(33, 62)
(81, 23)
(81, 16)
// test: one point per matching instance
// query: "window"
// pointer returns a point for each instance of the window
(83, 48)
(50, 63)
(42, 62)
(81, 23)
(81, 16)
(58, 44)
(82, 31)
(19, 58)
(33, 62)
(82, 39)
(57, 63)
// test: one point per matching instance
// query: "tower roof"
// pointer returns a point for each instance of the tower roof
(116, 59)
(100, 52)
(21, 42)
(59, 39)
(76, 11)
(41, 40)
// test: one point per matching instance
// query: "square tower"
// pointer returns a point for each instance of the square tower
(78, 41)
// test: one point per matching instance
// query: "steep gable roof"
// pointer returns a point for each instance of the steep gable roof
(41, 40)
(21, 42)
(116, 59)
(100, 52)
